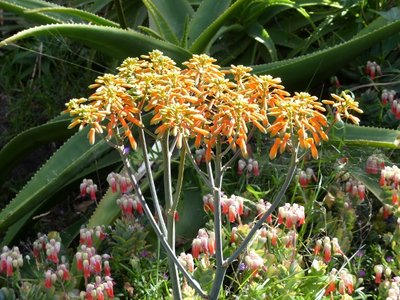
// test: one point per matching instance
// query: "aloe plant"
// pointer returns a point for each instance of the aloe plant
(258, 41)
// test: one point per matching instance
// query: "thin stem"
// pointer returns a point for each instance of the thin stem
(276, 202)
(170, 253)
(179, 183)
(221, 269)
(176, 287)
(198, 170)
(121, 15)
(151, 180)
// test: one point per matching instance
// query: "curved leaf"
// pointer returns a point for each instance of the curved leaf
(321, 64)
(206, 13)
(66, 163)
(170, 17)
(115, 42)
(366, 136)
(24, 142)
(261, 35)
(83, 15)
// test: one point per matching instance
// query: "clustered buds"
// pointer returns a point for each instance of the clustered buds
(39, 246)
(374, 164)
(291, 215)
(53, 247)
(86, 235)
(99, 289)
(87, 187)
(10, 259)
(254, 262)
(130, 204)
(328, 248)
(355, 189)
(390, 177)
(345, 282)
(91, 263)
(307, 176)
(119, 182)
(388, 96)
(251, 167)
(372, 68)
(203, 243)
(262, 208)
(62, 273)
(186, 261)
(233, 206)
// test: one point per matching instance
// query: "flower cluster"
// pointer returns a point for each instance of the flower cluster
(10, 259)
(187, 261)
(390, 177)
(129, 204)
(327, 247)
(299, 115)
(251, 167)
(119, 182)
(306, 177)
(91, 263)
(388, 96)
(204, 103)
(344, 280)
(232, 206)
(253, 261)
(355, 189)
(291, 215)
(344, 104)
(203, 243)
(100, 289)
(375, 164)
(372, 68)
(62, 273)
(87, 187)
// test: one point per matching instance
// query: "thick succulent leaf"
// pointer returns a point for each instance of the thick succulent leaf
(20, 6)
(30, 139)
(206, 13)
(80, 14)
(50, 13)
(66, 163)
(366, 136)
(170, 17)
(115, 42)
(322, 64)
(261, 35)
(203, 41)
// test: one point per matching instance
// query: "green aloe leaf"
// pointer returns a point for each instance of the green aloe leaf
(203, 41)
(66, 163)
(366, 136)
(169, 17)
(258, 32)
(207, 12)
(30, 139)
(81, 14)
(321, 64)
(52, 13)
(115, 42)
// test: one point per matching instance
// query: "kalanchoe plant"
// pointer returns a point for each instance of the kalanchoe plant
(215, 110)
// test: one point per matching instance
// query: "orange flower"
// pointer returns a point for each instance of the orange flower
(343, 105)
(300, 115)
